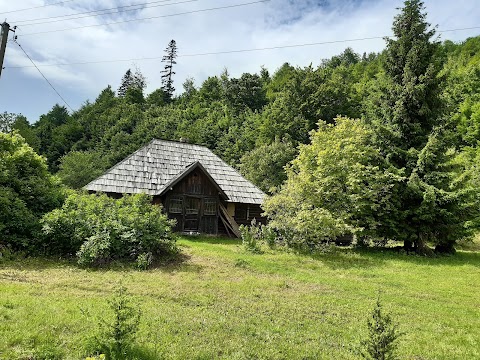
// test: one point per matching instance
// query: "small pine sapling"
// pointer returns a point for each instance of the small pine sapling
(119, 333)
(382, 335)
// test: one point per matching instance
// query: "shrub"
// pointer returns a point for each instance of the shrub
(254, 235)
(250, 238)
(27, 191)
(99, 229)
(382, 334)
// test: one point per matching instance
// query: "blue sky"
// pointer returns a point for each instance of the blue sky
(260, 25)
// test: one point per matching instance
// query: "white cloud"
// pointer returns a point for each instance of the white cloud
(274, 23)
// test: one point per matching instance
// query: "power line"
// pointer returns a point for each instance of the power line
(49, 83)
(94, 13)
(150, 18)
(36, 7)
(206, 53)
(231, 51)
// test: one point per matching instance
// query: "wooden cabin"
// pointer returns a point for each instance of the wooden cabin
(196, 188)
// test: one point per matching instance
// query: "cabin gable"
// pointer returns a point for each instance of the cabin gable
(194, 203)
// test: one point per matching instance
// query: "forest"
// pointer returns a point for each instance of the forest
(381, 145)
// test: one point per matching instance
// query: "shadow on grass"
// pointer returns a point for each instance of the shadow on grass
(338, 258)
(170, 263)
(215, 240)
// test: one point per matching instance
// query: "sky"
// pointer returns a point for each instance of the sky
(98, 50)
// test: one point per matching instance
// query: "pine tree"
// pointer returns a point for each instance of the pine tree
(413, 134)
(167, 77)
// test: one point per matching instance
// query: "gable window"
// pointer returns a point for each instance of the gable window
(176, 206)
(192, 206)
(210, 207)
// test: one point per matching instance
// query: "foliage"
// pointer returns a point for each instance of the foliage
(413, 135)
(132, 81)
(27, 191)
(100, 357)
(255, 235)
(7, 120)
(57, 131)
(78, 168)
(99, 229)
(118, 333)
(265, 164)
(339, 184)
(382, 334)
(247, 92)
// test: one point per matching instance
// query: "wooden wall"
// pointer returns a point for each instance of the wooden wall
(193, 203)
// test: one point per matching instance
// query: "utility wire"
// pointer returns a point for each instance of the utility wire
(232, 51)
(94, 13)
(35, 7)
(49, 83)
(150, 18)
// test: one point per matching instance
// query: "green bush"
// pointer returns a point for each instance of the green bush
(251, 238)
(339, 184)
(99, 229)
(254, 235)
(27, 191)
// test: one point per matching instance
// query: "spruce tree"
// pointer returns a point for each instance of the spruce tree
(127, 81)
(413, 134)
(167, 77)
(131, 80)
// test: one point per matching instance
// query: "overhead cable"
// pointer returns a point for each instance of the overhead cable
(148, 18)
(231, 51)
(49, 83)
(35, 7)
(95, 13)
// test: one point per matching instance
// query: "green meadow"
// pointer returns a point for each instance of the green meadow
(217, 301)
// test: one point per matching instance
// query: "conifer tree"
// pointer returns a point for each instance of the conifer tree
(130, 80)
(167, 77)
(413, 134)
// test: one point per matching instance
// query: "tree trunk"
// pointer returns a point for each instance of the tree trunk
(408, 245)
(421, 248)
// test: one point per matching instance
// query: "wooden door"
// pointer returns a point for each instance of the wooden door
(192, 213)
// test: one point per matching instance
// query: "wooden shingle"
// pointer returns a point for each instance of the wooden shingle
(150, 169)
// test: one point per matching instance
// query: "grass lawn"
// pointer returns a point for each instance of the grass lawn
(221, 302)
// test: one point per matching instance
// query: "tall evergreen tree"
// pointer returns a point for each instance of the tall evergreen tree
(169, 60)
(132, 80)
(413, 135)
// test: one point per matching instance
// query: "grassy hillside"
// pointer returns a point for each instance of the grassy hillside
(221, 302)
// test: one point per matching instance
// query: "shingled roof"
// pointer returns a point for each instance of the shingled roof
(155, 166)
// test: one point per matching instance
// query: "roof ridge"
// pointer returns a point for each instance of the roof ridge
(180, 142)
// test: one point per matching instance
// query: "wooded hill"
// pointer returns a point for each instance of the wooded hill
(254, 122)
(406, 169)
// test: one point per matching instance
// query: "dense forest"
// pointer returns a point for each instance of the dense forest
(254, 122)
(260, 122)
